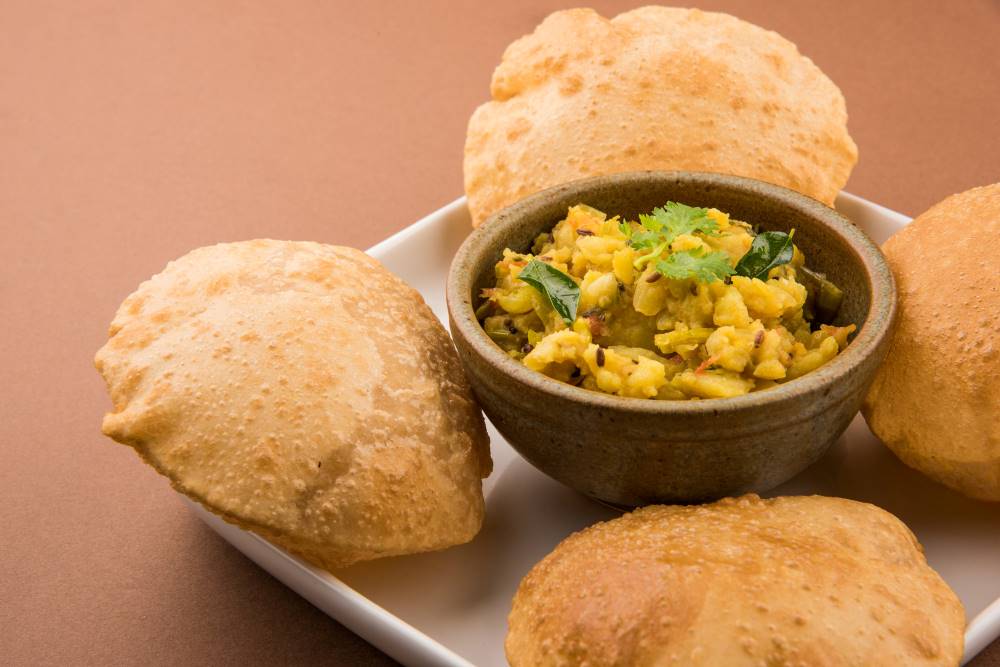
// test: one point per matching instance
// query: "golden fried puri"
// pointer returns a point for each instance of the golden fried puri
(301, 391)
(744, 581)
(654, 88)
(935, 401)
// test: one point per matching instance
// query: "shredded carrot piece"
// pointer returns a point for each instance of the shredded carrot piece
(705, 364)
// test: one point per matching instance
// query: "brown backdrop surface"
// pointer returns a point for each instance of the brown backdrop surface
(133, 132)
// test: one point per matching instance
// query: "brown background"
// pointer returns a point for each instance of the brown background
(133, 132)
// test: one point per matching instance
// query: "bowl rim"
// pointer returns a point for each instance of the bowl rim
(867, 341)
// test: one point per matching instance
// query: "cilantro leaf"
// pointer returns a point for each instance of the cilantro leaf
(561, 290)
(703, 266)
(645, 239)
(653, 223)
(659, 229)
(674, 219)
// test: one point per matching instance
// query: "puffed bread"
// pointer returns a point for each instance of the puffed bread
(654, 88)
(784, 582)
(935, 401)
(301, 391)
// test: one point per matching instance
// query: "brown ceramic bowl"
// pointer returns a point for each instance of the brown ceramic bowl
(630, 451)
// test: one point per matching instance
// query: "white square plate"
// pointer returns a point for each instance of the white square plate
(450, 607)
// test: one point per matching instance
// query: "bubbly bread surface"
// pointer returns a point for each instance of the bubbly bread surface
(654, 88)
(302, 391)
(744, 581)
(935, 400)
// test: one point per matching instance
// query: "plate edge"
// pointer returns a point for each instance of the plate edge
(979, 633)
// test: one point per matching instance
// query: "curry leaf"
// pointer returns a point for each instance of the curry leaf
(768, 250)
(561, 291)
(703, 266)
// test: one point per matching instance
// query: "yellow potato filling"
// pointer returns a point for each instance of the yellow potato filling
(638, 333)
